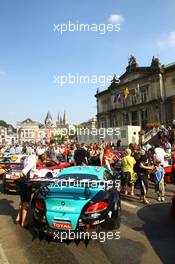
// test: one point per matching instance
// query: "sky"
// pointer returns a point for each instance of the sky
(35, 55)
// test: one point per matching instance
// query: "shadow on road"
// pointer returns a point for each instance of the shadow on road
(159, 227)
(6, 208)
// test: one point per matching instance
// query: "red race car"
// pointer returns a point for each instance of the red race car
(50, 168)
(51, 164)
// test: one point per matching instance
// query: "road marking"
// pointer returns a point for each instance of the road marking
(3, 258)
(129, 205)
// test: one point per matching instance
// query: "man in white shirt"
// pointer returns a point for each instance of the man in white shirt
(159, 154)
(30, 165)
(25, 188)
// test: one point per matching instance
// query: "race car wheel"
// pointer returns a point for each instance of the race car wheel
(4, 189)
(115, 220)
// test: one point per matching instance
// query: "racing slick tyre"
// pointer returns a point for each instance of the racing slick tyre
(4, 189)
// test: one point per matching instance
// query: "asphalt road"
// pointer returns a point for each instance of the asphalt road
(147, 235)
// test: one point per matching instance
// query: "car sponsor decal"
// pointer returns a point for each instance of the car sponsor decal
(63, 208)
(61, 225)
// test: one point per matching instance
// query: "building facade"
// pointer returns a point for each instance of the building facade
(142, 95)
(33, 131)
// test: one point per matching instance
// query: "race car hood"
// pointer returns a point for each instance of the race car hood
(64, 205)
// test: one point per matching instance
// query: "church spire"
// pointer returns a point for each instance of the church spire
(65, 118)
(48, 120)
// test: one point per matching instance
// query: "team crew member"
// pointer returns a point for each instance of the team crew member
(25, 188)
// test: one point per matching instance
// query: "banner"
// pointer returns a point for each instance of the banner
(35, 136)
(48, 135)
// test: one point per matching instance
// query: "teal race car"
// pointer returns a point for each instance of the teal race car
(78, 199)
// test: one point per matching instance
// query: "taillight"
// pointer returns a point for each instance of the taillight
(39, 204)
(96, 207)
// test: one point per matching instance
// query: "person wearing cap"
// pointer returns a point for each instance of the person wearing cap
(127, 167)
(158, 174)
(143, 172)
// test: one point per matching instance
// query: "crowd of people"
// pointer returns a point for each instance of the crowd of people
(137, 163)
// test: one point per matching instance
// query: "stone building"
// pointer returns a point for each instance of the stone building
(33, 131)
(29, 131)
(141, 96)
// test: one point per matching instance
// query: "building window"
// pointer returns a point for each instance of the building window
(123, 133)
(105, 105)
(134, 118)
(143, 94)
(30, 133)
(26, 134)
(113, 121)
(125, 119)
(103, 123)
(144, 118)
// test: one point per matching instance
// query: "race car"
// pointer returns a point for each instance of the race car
(80, 198)
(50, 169)
(12, 159)
(53, 164)
(7, 163)
(173, 206)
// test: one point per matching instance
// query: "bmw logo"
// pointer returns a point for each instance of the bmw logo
(63, 203)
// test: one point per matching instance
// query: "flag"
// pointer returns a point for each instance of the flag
(117, 97)
(126, 92)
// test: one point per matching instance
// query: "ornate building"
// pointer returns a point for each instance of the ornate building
(143, 95)
(32, 131)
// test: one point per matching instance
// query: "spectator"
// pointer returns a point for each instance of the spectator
(127, 166)
(158, 174)
(143, 172)
(80, 155)
(159, 154)
(107, 157)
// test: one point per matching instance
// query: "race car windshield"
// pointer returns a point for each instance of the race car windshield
(79, 177)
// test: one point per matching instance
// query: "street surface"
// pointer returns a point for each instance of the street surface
(147, 236)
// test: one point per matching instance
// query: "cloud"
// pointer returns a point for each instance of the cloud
(167, 41)
(116, 19)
